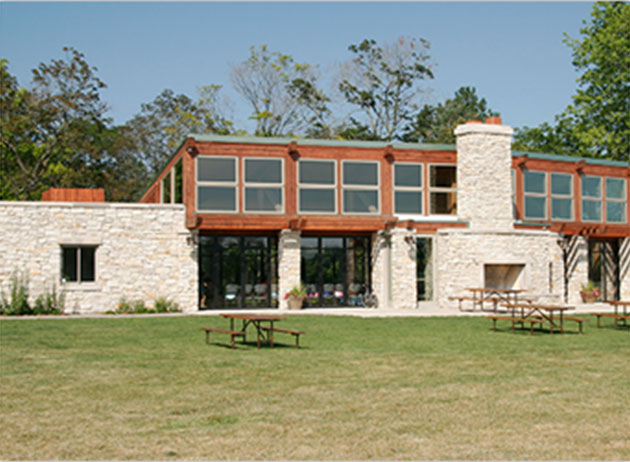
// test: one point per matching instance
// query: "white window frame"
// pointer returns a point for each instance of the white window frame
(280, 186)
(544, 195)
(441, 189)
(599, 199)
(618, 200)
(553, 196)
(351, 187)
(333, 186)
(420, 189)
(234, 184)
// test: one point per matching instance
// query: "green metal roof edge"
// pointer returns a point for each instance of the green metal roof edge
(321, 142)
(566, 158)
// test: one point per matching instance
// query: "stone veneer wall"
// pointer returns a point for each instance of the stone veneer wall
(380, 269)
(142, 251)
(289, 259)
(484, 179)
(461, 254)
(404, 284)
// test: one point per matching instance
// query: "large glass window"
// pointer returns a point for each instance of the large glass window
(166, 189)
(535, 194)
(424, 268)
(264, 185)
(78, 263)
(408, 188)
(216, 184)
(616, 200)
(238, 272)
(591, 198)
(178, 183)
(360, 187)
(443, 189)
(561, 196)
(336, 270)
(317, 185)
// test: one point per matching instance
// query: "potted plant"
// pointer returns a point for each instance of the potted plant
(589, 292)
(295, 297)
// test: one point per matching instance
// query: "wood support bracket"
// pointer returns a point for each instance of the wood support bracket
(293, 151)
(389, 154)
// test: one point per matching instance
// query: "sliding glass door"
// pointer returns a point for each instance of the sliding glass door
(238, 272)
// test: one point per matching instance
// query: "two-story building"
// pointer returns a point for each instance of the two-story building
(236, 222)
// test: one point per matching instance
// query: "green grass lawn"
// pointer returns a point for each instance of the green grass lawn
(412, 388)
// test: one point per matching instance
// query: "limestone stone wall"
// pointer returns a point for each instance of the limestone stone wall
(380, 269)
(289, 256)
(461, 255)
(404, 286)
(484, 184)
(142, 251)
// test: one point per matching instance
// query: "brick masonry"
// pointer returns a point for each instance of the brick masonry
(142, 251)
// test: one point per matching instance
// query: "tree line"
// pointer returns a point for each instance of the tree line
(56, 133)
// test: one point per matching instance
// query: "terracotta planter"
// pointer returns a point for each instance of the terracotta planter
(589, 297)
(294, 303)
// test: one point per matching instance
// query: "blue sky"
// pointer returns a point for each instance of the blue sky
(511, 52)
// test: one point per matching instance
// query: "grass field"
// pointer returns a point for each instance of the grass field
(412, 388)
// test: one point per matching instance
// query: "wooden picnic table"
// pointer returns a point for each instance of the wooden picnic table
(543, 312)
(263, 333)
(494, 295)
(623, 316)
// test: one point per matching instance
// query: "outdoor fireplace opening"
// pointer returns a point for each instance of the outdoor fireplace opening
(503, 276)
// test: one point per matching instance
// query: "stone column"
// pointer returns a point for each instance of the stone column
(380, 269)
(577, 267)
(289, 256)
(624, 269)
(484, 181)
(403, 268)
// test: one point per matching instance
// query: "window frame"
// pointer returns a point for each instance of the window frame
(600, 199)
(234, 184)
(621, 200)
(281, 186)
(441, 189)
(333, 187)
(553, 196)
(545, 195)
(361, 187)
(420, 189)
(79, 248)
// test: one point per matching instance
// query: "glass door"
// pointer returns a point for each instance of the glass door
(237, 272)
(335, 270)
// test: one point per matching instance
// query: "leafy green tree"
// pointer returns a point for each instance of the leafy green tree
(436, 124)
(384, 84)
(277, 90)
(597, 121)
(54, 133)
(314, 103)
(161, 125)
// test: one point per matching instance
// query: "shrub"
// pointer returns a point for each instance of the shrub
(17, 303)
(50, 302)
(164, 305)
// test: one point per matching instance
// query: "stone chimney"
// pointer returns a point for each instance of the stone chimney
(484, 181)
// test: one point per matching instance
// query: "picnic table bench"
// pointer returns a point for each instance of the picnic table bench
(295, 333)
(617, 316)
(518, 319)
(231, 333)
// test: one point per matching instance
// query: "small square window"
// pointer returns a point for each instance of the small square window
(78, 263)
